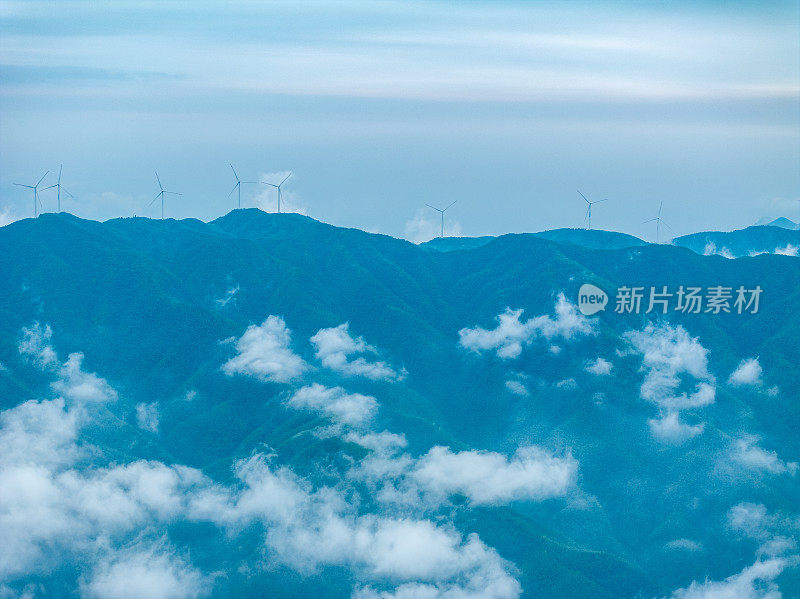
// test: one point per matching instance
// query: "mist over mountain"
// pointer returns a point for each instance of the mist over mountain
(267, 405)
(767, 239)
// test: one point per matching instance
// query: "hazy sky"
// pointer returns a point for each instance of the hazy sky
(379, 108)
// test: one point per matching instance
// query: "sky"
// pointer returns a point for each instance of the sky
(379, 108)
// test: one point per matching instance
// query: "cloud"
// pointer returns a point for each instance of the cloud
(36, 344)
(424, 227)
(747, 373)
(147, 416)
(62, 503)
(517, 388)
(488, 478)
(264, 353)
(600, 367)
(80, 387)
(146, 573)
(230, 295)
(510, 334)
(341, 407)
(672, 360)
(788, 250)
(335, 348)
(669, 429)
(746, 453)
(753, 582)
(267, 196)
(7, 216)
(684, 545)
(710, 249)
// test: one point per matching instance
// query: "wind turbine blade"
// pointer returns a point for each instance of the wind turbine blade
(50, 187)
(161, 187)
(451, 203)
(234, 172)
(270, 184)
(284, 180)
(234, 189)
(667, 226)
(40, 180)
(60, 167)
(434, 207)
(660, 206)
(23, 185)
(251, 182)
(583, 196)
(649, 221)
(68, 193)
(598, 201)
(158, 195)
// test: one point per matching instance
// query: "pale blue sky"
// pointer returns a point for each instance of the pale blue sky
(382, 107)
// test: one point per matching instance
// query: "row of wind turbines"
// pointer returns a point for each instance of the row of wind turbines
(37, 203)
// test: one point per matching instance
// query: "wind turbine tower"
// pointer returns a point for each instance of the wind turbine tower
(59, 187)
(658, 222)
(238, 186)
(588, 217)
(161, 195)
(441, 211)
(278, 187)
(35, 188)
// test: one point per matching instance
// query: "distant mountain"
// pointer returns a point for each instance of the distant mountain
(451, 244)
(607, 240)
(284, 408)
(745, 242)
(592, 238)
(782, 222)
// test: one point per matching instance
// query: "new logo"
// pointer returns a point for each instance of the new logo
(591, 299)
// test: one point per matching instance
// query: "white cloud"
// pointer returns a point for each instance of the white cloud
(80, 387)
(710, 249)
(147, 416)
(787, 250)
(517, 388)
(510, 334)
(341, 407)
(684, 545)
(489, 478)
(600, 367)
(671, 430)
(424, 226)
(672, 359)
(753, 582)
(335, 348)
(146, 573)
(264, 353)
(746, 452)
(230, 295)
(36, 344)
(747, 373)
(57, 505)
(267, 196)
(750, 519)
(7, 216)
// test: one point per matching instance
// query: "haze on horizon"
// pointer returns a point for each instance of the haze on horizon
(380, 108)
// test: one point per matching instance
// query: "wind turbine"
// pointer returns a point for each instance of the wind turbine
(58, 186)
(442, 211)
(658, 221)
(161, 195)
(35, 188)
(588, 216)
(238, 186)
(278, 187)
